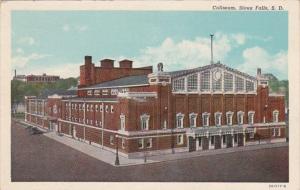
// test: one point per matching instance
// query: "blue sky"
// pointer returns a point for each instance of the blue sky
(56, 42)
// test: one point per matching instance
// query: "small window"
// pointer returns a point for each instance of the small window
(114, 91)
(251, 117)
(180, 139)
(111, 139)
(140, 143)
(193, 120)
(229, 117)
(240, 117)
(96, 108)
(104, 92)
(145, 121)
(101, 108)
(106, 108)
(122, 122)
(275, 116)
(205, 119)
(87, 107)
(89, 92)
(97, 92)
(91, 107)
(165, 124)
(179, 120)
(149, 143)
(218, 119)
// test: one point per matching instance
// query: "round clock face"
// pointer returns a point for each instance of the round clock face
(217, 75)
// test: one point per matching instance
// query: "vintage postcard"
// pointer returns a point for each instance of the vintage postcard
(109, 94)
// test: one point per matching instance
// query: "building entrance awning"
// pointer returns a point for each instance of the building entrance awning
(223, 130)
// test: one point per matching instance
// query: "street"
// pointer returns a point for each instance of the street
(39, 158)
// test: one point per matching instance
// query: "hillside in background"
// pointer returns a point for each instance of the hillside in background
(19, 89)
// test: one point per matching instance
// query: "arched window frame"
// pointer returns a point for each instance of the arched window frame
(240, 117)
(205, 119)
(275, 116)
(229, 116)
(251, 117)
(193, 119)
(179, 120)
(145, 121)
(218, 118)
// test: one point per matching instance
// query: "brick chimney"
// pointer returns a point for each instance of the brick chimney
(87, 59)
(107, 63)
(125, 63)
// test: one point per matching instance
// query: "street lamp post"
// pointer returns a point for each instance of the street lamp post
(117, 161)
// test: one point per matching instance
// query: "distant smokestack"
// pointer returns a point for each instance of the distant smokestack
(258, 71)
(211, 49)
(15, 72)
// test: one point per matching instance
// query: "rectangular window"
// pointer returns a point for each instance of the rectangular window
(179, 121)
(212, 140)
(224, 139)
(235, 138)
(105, 92)
(205, 81)
(205, 120)
(122, 122)
(218, 119)
(251, 118)
(106, 108)
(275, 116)
(145, 122)
(149, 143)
(193, 118)
(240, 118)
(165, 124)
(97, 92)
(239, 84)
(249, 86)
(97, 108)
(101, 108)
(229, 118)
(114, 92)
(274, 132)
(178, 84)
(228, 82)
(192, 82)
(89, 92)
(180, 139)
(140, 143)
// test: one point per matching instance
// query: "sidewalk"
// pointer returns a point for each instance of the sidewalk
(109, 157)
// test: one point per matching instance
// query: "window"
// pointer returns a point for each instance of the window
(239, 84)
(205, 81)
(89, 92)
(229, 117)
(101, 108)
(111, 109)
(87, 107)
(144, 121)
(149, 143)
(180, 139)
(205, 119)
(240, 117)
(228, 82)
(224, 139)
(80, 106)
(249, 86)
(218, 118)
(97, 92)
(96, 108)
(192, 82)
(111, 139)
(123, 143)
(75, 107)
(178, 84)
(140, 143)
(104, 92)
(251, 135)
(79, 120)
(122, 122)
(91, 122)
(165, 124)
(275, 116)
(91, 107)
(235, 138)
(179, 120)
(193, 119)
(251, 117)
(87, 121)
(114, 91)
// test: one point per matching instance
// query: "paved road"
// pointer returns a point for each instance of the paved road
(38, 158)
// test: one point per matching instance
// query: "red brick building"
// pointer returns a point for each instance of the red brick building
(41, 78)
(138, 110)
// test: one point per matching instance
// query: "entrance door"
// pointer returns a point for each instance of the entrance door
(199, 143)
(192, 144)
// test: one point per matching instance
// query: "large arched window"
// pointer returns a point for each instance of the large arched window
(145, 121)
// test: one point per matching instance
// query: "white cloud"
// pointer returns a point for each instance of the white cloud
(66, 28)
(27, 41)
(257, 57)
(21, 60)
(189, 53)
(77, 28)
(20, 50)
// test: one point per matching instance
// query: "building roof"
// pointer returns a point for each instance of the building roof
(137, 80)
(90, 99)
(179, 73)
(60, 92)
